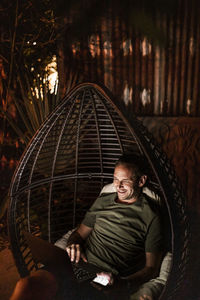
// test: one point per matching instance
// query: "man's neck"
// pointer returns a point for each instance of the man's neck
(128, 201)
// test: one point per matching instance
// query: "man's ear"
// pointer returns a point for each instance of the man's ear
(142, 180)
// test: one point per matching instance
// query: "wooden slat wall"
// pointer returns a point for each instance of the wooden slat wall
(180, 139)
(154, 80)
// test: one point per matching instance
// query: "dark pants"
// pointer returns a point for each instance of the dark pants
(80, 291)
(71, 289)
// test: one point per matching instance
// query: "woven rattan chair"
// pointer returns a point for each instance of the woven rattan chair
(67, 163)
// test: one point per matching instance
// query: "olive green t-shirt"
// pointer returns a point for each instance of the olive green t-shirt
(121, 234)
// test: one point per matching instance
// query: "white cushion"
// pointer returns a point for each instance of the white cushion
(108, 188)
(153, 288)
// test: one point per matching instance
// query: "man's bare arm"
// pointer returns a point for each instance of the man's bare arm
(150, 270)
(75, 243)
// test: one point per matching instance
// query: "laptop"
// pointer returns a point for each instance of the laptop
(57, 259)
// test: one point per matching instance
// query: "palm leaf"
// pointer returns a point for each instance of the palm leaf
(21, 134)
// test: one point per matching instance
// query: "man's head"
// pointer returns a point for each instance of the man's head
(129, 177)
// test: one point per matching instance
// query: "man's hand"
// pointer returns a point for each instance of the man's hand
(75, 243)
(75, 252)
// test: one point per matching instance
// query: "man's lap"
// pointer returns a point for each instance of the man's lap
(69, 288)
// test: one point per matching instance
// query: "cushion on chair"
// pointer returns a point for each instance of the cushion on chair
(62, 242)
(153, 288)
(108, 188)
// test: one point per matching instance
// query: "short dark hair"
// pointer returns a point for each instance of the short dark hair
(134, 161)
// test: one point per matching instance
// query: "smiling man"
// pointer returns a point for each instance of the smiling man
(121, 233)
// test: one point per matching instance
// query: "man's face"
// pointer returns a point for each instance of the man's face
(126, 184)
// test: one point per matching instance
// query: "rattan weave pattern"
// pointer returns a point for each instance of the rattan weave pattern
(67, 163)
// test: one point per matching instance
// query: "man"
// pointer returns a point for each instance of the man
(121, 234)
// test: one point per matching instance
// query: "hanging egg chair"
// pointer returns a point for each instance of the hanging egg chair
(67, 163)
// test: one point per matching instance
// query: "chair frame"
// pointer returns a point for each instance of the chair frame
(90, 106)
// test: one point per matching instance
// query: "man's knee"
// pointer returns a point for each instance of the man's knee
(39, 285)
(22, 290)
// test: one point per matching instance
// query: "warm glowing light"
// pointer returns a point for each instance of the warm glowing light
(146, 97)
(127, 94)
(107, 46)
(94, 45)
(52, 79)
(189, 106)
(145, 47)
(127, 47)
(192, 46)
(53, 75)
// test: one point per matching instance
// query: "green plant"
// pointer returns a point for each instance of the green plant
(34, 102)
